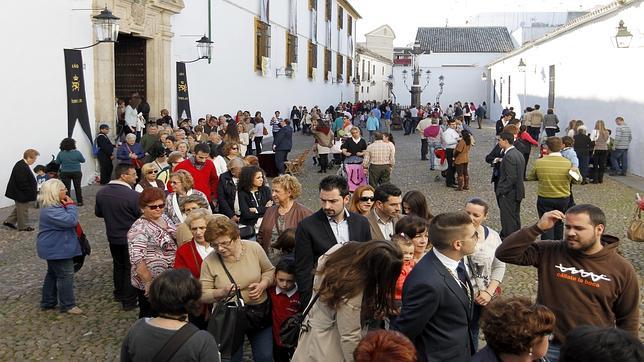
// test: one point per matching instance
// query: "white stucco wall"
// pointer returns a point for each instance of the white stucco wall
(375, 88)
(462, 83)
(592, 82)
(32, 71)
(230, 82)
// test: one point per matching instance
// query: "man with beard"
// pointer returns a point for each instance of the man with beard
(582, 279)
(332, 224)
(203, 172)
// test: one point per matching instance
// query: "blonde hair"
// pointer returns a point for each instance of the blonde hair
(186, 179)
(50, 193)
(198, 214)
(290, 184)
(147, 167)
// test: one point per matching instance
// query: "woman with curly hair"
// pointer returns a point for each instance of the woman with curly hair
(355, 284)
(70, 159)
(515, 330)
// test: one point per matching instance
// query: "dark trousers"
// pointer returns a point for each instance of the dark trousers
(378, 175)
(599, 165)
(474, 326)
(526, 157)
(124, 292)
(67, 178)
(551, 132)
(282, 354)
(414, 124)
(296, 125)
(584, 159)
(510, 211)
(280, 158)
(534, 132)
(423, 148)
(468, 119)
(451, 170)
(479, 120)
(323, 161)
(544, 205)
(145, 309)
(407, 125)
(306, 129)
(258, 145)
(106, 168)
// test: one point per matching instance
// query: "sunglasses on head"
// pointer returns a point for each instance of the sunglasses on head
(366, 198)
(158, 206)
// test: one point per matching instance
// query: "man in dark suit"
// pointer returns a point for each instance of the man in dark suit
(282, 144)
(510, 190)
(23, 189)
(437, 295)
(117, 204)
(105, 153)
(332, 224)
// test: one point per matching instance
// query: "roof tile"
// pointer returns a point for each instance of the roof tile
(492, 39)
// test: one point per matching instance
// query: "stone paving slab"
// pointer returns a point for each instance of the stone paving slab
(29, 334)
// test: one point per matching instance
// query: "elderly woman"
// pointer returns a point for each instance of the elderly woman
(484, 269)
(182, 185)
(324, 138)
(149, 172)
(416, 228)
(174, 294)
(230, 150)
(362, 200)
(250, 270)
(151, 244)
(515, 330)
(254, 196)
(57, 243)
(70, 159)
(131, 152)
(187, 205)
(183, 148)
(286, 213)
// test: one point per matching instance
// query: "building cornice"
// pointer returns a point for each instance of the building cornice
(349, 8)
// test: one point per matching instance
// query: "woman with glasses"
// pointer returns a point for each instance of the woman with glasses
(182, 185)
(251, 271)
(149, 172)
(229, 151)
(417, 229)
(151, 244)
(187, 205)
(483, 268)
(362, 200)
(515, 330)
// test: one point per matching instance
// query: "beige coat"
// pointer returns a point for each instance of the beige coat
(332, 335)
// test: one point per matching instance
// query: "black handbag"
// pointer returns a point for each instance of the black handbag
(291, 327)
(228, 321)
(86, 250)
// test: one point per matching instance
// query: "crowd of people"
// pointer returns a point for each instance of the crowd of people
(193, 222)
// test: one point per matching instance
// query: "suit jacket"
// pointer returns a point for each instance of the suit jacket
(22, 186)
(436, 313)
(118, 205)
(511, 175)
(283, 139)
(314, 237)
(376, 233)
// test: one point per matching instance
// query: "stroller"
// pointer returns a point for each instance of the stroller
(352, 171)
(52, 168)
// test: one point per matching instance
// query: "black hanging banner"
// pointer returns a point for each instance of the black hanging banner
(183, 101)
(76, 99)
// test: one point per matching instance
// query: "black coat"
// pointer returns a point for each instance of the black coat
(496, 152)
(105, 146)
(436, 313)
(226, 191)
(22, 186)
(247, 201)
(118, 205)
(511, 175)
(314, 237)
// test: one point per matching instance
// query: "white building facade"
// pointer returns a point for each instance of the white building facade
(579, 80)
(305, 51)
(374, 65)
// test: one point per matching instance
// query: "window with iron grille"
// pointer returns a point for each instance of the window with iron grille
(340, 17)
(349, 25)
(291, 49)
(327, 63)
(339, 64)
(262, 42)
(328, 10)
(313, 59)
(349, 71)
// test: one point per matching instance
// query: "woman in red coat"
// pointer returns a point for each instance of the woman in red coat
(191, 254)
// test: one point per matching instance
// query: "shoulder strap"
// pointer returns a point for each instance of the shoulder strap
(178, 339)
(230, 277)
(486, 231)
(308, 307)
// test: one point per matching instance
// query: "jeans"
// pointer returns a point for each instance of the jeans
(67, 178)
(554, 350)
(544, 205)
(124, 292)
(432, 157)
(407, 124)
(58, 285)
(617, 157)
(261, 343)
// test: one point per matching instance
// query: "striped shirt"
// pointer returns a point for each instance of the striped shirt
(622, 137)
(552, 173)
(379, 153)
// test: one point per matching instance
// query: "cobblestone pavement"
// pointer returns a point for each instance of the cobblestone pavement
(29, 334)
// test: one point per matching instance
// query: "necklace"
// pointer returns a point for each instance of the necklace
(465, 287)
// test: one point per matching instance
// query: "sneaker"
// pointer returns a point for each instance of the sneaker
(74, 311)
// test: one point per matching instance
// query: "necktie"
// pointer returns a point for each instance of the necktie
(464, 279)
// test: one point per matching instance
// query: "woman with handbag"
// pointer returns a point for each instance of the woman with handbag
(355, 284)
(324, 139)
(286, 213)
(238, 269)
(151, 245)
(484, 269)
(58, 244)
(132, 153)
(174, 294)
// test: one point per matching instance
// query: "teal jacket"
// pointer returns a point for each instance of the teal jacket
(70, 161)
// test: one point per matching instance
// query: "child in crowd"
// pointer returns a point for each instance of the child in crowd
(41, 177)
(407, 247)
(285, 302)
(286, 243)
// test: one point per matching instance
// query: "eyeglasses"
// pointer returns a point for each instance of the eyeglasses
(175, 182)
(224, 244)
(151, 172)
(234, 148)
(157, 206)
(366, 198)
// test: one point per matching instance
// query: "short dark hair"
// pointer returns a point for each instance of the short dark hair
(554, 144)
(447, 227)
(285, 241)
(591, 343)
(122, 169)
(596, 215)
(567, 141)
(507, 136)
(285, 265)
(68, 144)
(202, 147)
(175, 292)
(536, 106)
(333, 182)
(171, 138)
(384, 191)
(149, 195)
(411, 226)
(40, 168)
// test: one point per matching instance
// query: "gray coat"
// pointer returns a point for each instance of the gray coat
(550, 121)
